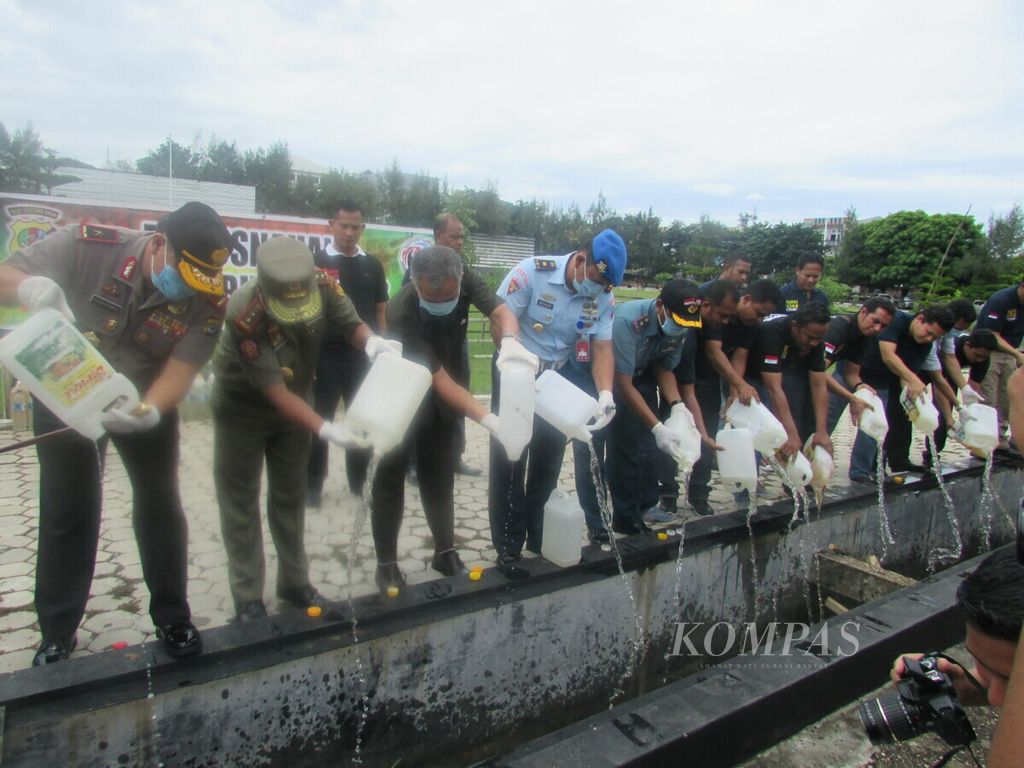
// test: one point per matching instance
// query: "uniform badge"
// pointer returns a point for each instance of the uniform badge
(212, 326)
(94, 234)
(106, 303)
(276, 337)
(112, 289)
(250, 317)
(830, 349)
(178, 307)
(1011, 314)
(166, 325)
(544, 265)
(250, 349)
(111, 324)
(792, 305)
(287, 373)
(128, 269)
(771, 359)
(513, 286)
(141, 337)
(538, 327)
(323, 278)
(545, 304)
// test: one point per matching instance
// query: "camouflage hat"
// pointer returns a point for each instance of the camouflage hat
(287, 280)
(202, 244)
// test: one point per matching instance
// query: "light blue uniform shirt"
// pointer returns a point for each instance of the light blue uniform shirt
(638, 340)
(552, 318)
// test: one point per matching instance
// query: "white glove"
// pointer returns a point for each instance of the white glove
(513, 349)
(121, 421)
(376, 345)
(37, 292)
(490, 423)
(970, 396)
(681, 408)
(340, 434)
(604, 412)
(666, 440)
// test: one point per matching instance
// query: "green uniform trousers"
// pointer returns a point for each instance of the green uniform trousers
(241, 442)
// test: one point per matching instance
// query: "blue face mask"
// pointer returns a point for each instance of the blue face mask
(170, 282)
(439, 308)
(671, 328)
(586, 287)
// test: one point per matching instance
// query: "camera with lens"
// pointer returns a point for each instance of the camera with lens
(925, 701)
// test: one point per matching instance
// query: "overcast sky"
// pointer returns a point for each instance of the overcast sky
(791, 109)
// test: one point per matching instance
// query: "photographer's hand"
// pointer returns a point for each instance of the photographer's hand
(968, 694)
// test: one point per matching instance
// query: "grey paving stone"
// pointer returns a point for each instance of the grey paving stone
(17, 599)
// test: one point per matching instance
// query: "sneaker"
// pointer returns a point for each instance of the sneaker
(52, 651)
(628, 527)
(180, 639)
(448, 563)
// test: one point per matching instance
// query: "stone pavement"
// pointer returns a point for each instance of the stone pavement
(118, 606)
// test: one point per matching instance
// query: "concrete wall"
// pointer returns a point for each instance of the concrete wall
(461, 673)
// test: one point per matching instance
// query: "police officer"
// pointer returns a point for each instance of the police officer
(341, 367)
(564, 306)
(1003, 314)
(429, 317)
(803, 290)
(152, 303)
(264, 367)
(648, 337)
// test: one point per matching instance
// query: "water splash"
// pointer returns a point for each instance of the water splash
(638, 642)
(755, 579)
(151, 699)
(884, 530)
(986, 513)
(944, 555)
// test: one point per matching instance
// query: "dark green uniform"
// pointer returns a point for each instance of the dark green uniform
(255, 353)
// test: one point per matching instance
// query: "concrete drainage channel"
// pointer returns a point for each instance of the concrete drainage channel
(459, 672)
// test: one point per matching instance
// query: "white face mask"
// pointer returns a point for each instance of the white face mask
(586, 286)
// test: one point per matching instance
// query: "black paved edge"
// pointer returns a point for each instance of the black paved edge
(722, 716)
(104, 679)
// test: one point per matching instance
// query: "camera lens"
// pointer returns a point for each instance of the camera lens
(888, 719)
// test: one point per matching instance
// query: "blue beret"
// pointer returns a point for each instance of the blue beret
(610, 255)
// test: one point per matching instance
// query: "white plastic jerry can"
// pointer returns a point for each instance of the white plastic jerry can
(736, 465)
(65, 372)
(562, 543)
(798, 469)
(515, 410)
(922, 412)
(873, 422)
(980, 427)
(563, 405)
(387, 401)
(681, 422)
(766, 431)
(822, 466)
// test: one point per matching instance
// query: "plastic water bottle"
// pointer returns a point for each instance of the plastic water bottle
(563, 529)
(873, 422)
(387, 401)
(736, 465)
(922, 412)
(515, 415)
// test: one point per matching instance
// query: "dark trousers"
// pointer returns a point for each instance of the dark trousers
(709, 398)
(432, 440)
(897, 441)
(70, 501)
(632, 457)
(338, 376)
(242, 442)
(581, 375)
(518, 490)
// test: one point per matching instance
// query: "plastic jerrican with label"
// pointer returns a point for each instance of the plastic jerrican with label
(387, 401)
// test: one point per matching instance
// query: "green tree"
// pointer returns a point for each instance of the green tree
(170, 158)
(270, 171)
(776, 249)
(222, 162)
(338, 185)
(493, 215)
(1006, 234)
(27, 166)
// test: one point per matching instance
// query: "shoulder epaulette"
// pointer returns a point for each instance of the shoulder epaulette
(96, 234)
(544, 265)
(250, 317)
(326, 280)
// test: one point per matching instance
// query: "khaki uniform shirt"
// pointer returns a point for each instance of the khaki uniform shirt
(256, 352)
(134, 326)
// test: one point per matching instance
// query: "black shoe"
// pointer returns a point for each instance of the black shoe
(251, 611)
(52, 651)
(507, 567)
(907, 467)
(701, 507)
(508, 557)
(180, 639)
(448, 563)
(314, 496)
(304, 596)
(668, 504)
(629, 527)
(598, 536)
(465, 469)
(864, 479)
(389, 575)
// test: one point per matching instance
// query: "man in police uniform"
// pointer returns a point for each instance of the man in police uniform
(264, 367)
(564, 306)
(341, 367)
(429, 317)
(804, 290)
(152, 303)
(648, 337)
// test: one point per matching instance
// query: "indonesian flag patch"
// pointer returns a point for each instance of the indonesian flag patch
(993, 315)
(830, 348)
(771, 359)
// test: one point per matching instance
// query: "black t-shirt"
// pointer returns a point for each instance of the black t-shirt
(872, 368)
(436, 342)
(774, 351)
(1003, 313)
(362, 277)
(978, 370)
(794, 297)
(733, 334)
(844, 341)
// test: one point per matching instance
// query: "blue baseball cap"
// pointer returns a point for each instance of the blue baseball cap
(609, 254)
